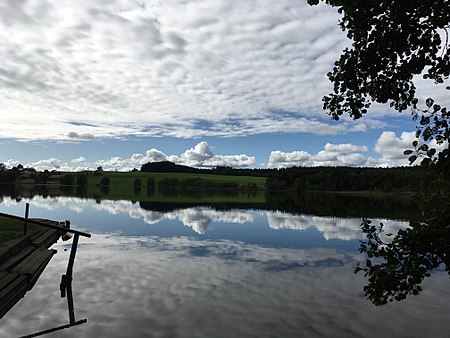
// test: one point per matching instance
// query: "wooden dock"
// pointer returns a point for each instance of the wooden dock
(23, 260)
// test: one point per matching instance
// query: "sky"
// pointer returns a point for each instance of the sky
(203, 83)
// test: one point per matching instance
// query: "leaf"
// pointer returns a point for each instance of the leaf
(412, 159)
(431, 152)
(423, 147)
(407, 152)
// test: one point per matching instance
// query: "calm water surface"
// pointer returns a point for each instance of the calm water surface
(206, 272)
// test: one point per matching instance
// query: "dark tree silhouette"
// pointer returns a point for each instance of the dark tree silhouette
(81, 179)
(393, 41)
(105, 181)
(66, 179)
(406, 260)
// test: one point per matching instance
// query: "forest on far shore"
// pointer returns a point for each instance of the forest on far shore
(294, 179)
(399, 179)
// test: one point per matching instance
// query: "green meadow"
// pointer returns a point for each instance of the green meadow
(12, 229)
(122, 180)
(122, 186)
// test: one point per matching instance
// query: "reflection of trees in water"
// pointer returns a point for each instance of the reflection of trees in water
(67, 189)
(169, 207)
(312, 203)
(396, 269)
(201, 193)
(150, 190)
(397, 263)
(137, 189)
(342, 205)
(81, 191)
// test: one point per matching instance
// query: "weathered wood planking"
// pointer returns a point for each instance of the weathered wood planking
(46, 239)
(22, 261)
(12, 292)
(12, 247)
(33, 265)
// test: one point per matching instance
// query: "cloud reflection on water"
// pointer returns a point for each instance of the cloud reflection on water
(160, 287)
(199, 218)
(330, 227)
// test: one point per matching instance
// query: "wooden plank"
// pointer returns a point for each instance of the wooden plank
(12, 247)
(41, 269)
(8, 279)
(52, 239)
(47, 238)
(9, 248)
(3, 274)
(16, 259)
(12, 294)
(34, 263)
(42, 237)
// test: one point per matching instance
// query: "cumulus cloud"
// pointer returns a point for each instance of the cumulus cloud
(11, 163)
(333, 155)
(79, 160)
(197, 155)
(282, 159)
(155, 155)
(391, 147)
(340, 155)
(346, 148)
(49, 164)
(230, 161)
(200, 155)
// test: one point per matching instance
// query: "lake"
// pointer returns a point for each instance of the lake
(283, 269)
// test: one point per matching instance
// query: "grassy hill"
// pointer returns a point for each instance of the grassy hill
(122, 185)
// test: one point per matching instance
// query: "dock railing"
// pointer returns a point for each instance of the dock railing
(66, 279)
(26, 220)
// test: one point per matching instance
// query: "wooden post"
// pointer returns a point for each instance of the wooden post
(70, 303)
(66, 280)
(25, 223)
(73, 252)
(58, 328)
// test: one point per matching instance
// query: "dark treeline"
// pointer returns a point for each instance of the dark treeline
(198, 183)
(9, 176)
(313, 203)
(170, 167)
(411, 179)
(345, 205)
(295, 179)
